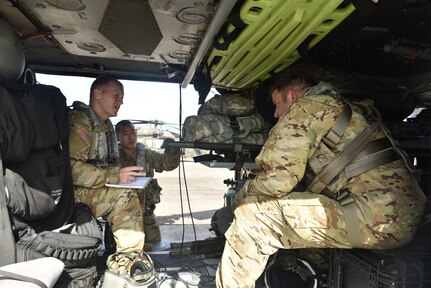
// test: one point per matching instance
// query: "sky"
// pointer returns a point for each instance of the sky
(143, 100)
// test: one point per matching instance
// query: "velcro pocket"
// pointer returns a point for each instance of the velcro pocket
(314, 217)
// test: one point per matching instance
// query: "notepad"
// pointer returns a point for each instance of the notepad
(139, 183)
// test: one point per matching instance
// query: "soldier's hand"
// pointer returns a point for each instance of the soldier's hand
(128, 174)
(165, 145)
(166, 142)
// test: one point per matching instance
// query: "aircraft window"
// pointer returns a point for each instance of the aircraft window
(143, 100)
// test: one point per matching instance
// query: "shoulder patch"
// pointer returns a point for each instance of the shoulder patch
(84, 135)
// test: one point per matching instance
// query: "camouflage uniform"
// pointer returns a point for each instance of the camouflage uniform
(271, 215)
(151, 161)
(94, 161)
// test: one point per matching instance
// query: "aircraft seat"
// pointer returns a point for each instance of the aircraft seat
(35, 272)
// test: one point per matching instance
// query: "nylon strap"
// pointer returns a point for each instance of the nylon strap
(23, 278)
(332, 169)
(334, 135)
(235, 129)
(381, 153)
(370, 162)
(374, 147)
(350, 211)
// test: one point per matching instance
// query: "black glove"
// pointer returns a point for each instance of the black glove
(166, 142)
(165, 145)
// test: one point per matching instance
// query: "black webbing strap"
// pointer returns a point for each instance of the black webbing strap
(234, 124)
(235, 129)
(23, 278)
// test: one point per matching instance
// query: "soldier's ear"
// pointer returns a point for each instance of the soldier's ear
(295, 94)
(97, 93)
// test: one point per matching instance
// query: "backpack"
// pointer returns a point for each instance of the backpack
(38, 161)
(38, 184)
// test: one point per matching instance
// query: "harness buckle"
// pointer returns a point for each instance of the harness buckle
(345, 198)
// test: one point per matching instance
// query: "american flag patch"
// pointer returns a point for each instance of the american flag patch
(84, 135)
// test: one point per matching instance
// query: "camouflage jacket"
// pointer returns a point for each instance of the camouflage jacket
(93, 148)
(151, 161)
(385, 195)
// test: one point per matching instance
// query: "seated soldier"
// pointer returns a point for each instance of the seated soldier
(95, 162)
(133, 153)
(374, 206)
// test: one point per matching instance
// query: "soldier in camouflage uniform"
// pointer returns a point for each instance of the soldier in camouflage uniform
(95, 162)
(133, 153)
(271, 213)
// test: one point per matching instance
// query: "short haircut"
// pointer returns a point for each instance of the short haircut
(122, 124)
(102, 81)
(298, 80)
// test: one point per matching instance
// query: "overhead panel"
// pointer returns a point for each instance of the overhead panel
(158, 31)
(131, 27)
(271, 39)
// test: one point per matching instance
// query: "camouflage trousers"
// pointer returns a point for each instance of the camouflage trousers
(262, 225)
(122, 210)
(151, 227)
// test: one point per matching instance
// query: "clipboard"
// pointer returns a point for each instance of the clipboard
(140, 183)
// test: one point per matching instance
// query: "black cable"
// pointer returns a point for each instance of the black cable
(180, 120)
(210, 279)
(179, 169)
(173, 275)
(190, 210)
(185, 183)
(159, 268)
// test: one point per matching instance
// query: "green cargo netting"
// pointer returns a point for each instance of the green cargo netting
(269, 42)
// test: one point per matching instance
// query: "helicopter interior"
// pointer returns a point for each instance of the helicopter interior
(377, 49)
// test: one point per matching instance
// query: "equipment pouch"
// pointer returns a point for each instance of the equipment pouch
(153, 193)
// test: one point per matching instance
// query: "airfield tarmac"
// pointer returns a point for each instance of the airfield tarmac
(181, 266)
(203, 197)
